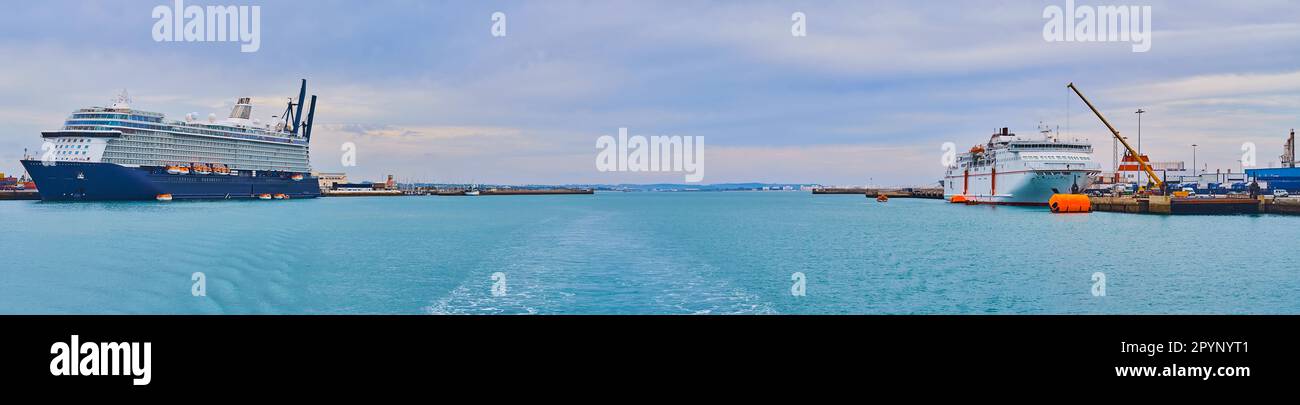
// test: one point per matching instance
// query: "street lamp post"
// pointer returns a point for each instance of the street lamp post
(1194, 161)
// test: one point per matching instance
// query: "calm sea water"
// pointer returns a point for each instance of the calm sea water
(635, 253)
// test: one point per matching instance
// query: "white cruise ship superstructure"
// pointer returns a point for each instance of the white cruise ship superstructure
(122, 153)
(1013, 171)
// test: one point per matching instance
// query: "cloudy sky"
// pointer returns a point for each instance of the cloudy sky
(868, 96)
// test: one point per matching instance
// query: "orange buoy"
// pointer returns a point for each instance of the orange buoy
(1069, 203)
(958, 199)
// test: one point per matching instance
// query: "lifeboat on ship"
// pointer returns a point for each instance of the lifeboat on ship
(220, 169)
(297, 177)
(958, 199)
(173, 170)
(281, 196)
(200, 168)
(164, 197)
(264, 196)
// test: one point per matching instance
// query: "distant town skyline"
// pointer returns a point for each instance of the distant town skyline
(426, 93)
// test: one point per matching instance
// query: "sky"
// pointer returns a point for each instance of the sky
(869, 96)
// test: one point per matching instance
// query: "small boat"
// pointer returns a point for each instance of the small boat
(882, 198)
(202, 169)
(297, 177)
(164, 197)
(183, 170)
(220, 169)
(264, 196)
(472, 192)
(173, 170)
(281, 196)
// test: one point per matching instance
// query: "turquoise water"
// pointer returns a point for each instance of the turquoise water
(635, 253)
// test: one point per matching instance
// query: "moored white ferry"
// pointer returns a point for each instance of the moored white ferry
(122, 153)
(1012, 171)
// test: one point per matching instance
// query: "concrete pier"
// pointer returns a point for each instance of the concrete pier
(19, 195)
(517, 191)
(930, 193)
(1289, 206)
(1115, 204)
(1163, 205)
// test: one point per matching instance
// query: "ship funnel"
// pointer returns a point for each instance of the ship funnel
(243, 109)
(297, 116)
(311, 115)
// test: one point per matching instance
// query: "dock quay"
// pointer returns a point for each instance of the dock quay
(13, 195)
(518, 191)
(1163, 205)
(929, 193)
(374, 193)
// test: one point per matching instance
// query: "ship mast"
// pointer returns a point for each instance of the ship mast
(291, 118)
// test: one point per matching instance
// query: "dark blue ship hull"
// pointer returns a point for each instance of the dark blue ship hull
(83, 181)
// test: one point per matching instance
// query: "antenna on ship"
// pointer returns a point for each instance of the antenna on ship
(1046, 131)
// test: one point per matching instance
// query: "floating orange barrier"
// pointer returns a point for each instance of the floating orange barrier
(1069, 203)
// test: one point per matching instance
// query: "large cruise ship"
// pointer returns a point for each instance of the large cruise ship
(121, 153)
(1012, 171)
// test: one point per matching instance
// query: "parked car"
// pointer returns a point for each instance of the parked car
(1279, 193)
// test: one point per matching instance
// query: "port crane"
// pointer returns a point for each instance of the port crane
(1151, 174)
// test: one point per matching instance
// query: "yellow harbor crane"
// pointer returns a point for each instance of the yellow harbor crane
(1151, 174)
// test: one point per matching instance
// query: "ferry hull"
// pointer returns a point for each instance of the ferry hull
(87, 181)
(1028, 188)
